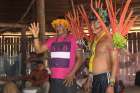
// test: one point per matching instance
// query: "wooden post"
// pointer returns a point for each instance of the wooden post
(40, 4)
(23, 50)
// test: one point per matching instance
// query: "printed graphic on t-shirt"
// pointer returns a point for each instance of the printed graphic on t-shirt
(60, 54)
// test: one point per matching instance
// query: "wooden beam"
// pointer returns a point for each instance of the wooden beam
(12, 25)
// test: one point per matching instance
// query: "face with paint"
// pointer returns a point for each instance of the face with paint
(60, 29)
(60, 26)
(95, 25)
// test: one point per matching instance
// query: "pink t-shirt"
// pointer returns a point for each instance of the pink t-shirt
(62, 51)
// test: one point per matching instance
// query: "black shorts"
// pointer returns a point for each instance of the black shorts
(57, 86)
(100, 83)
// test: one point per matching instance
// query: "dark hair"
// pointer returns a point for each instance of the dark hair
(102, 13)
(39, 62)
(91, 16)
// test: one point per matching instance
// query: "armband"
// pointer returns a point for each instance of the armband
(112, 82)
(90, 77)
(35, 37)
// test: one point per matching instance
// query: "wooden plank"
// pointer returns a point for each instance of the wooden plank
(12, 25)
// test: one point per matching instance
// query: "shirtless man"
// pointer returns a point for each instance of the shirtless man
(104, 61)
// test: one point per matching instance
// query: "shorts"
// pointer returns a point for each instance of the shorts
(57, 86)
(100, 83)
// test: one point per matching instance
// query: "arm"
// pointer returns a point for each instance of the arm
(78, 61)
(34, 28)
(114, 67)
(70, 78)
(38, 47)
(114, 57)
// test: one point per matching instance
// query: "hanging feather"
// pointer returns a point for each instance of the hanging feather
(119, 41)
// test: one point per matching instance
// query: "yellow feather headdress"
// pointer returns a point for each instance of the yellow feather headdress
(58, 22)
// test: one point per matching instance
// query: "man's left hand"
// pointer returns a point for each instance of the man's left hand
(69, 80)
(110, 89)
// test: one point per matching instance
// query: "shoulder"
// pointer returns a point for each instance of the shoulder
(71, 36)
(108, 42)
(49, 40)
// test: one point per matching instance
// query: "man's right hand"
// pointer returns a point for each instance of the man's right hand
(34, 29)
(87, 86)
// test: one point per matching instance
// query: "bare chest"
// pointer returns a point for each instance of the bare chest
(101, 47)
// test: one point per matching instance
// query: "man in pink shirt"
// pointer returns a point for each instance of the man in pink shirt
(65, 55)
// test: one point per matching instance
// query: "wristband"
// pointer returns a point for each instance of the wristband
(90, 77)
(35, 37)
(112, 82)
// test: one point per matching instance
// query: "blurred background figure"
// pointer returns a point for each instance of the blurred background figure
(38, 78)
(11, 87)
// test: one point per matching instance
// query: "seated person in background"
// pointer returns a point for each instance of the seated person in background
(83, 76)
(31, 61)
(38, 78)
